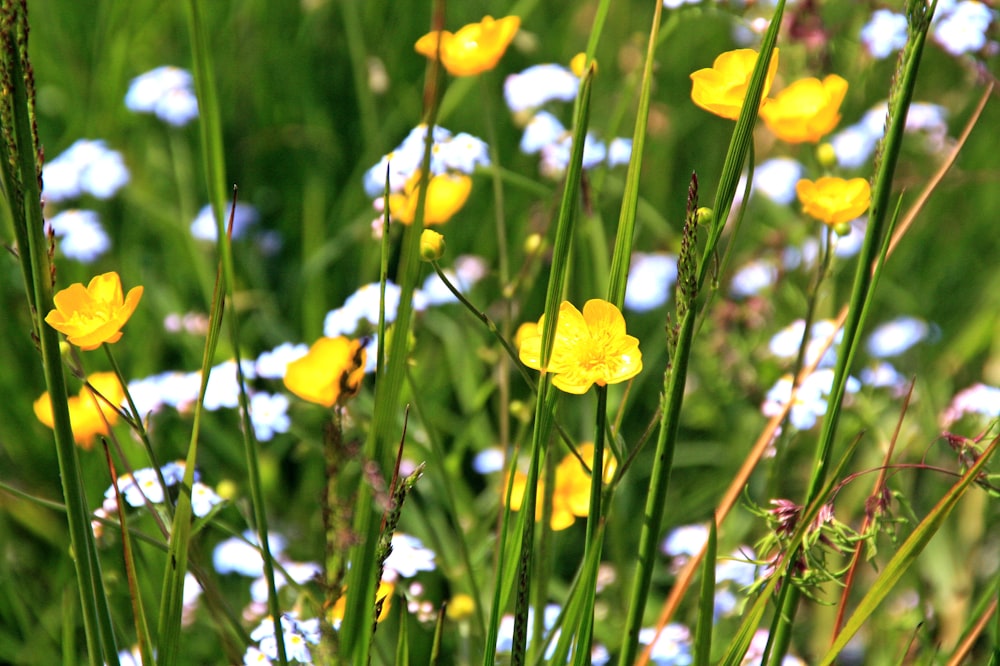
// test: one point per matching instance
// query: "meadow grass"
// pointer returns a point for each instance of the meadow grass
(798, 470)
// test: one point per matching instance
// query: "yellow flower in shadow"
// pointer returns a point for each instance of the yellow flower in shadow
(383, 599)
(89, 414)
(720, 89)
(331, 371)
(475, 48)
(589, 348)
(95, 314)
(446, 194)
(571, 496)
(807, 110)
(834, 201)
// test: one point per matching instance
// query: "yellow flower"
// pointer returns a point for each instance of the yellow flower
(834, 201)
(807, 110)
(475, 48)
(89, 414)
(383, 596)
(590, 348)
(431, 245)
(95, 314)
(331, 371)
(721, 88)
(571, 497)
(446, 194)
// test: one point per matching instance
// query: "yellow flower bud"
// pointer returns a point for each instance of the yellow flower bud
(431, 245)
(705, 215)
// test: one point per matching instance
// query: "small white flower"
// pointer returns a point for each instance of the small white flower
(81, 235)
(203, 227)
(86, 167)
(753, 278)
(776, 179)
(895, 337)
(269, 415)
(409, 556)
(203, 498)
(884, 34)
(538, 85)
(242, 556)
(651, 278)
(167, 92)
(273, 364)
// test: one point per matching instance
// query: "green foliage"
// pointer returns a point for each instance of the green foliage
(296, 102)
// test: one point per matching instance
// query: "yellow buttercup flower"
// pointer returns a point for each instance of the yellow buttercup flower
(807, 110)
(571, 496)
(589, 348)
(89, 414)
(475, 48)
(721, 88)
(95, 314)
(446, 194)
(331, 371)
(834, 201)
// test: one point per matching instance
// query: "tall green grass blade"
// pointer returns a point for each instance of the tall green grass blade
(543, 411)
(900, 94)
(356, 632)
(22, 188)
(706, 603)
(907, 554)
(630, 199)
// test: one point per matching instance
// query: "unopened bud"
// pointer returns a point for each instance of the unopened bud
(705, 215)
(431, 245)
(826, 155)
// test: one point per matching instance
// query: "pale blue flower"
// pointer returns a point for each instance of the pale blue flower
(963, 30)
(223, 389)
(853, 146)
(297, 636)
(884, 34)
(468, 270)
(242, 555)
(273, 364)
(543, 129)
(81, 235)
(882, 374)
(463, 153)
(488, 461)
(810, 401)
(672, 647)
(753, 278)
(650, 282)
(86, 167)
(167, 92)
(505, 634)
(363, 306)
(203, 227)
(619, 152)
(203, 498)
(786, 342)
(686, 540)
(409, 556)
(776, 179)
(269, 415)
(555, 156)
(538, 85)
(677, 4)
(895, 337)
(300, 572)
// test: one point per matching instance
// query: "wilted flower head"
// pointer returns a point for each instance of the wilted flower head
(95, 314)
(807, 110)
(589, 348)
(721, 88)
(89, 414)
(834, 201)
(475, 48)
(331, 371)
